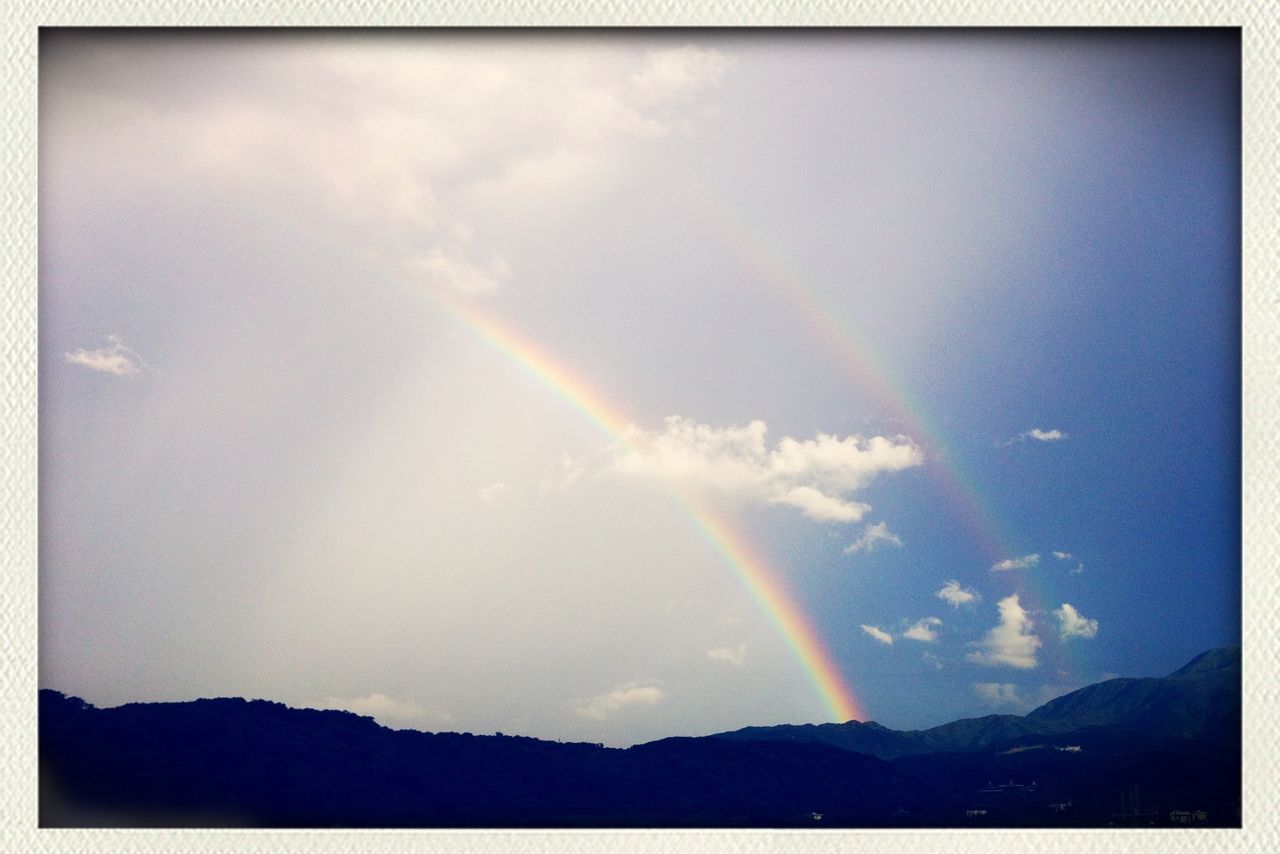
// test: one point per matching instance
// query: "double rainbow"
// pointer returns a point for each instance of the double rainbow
(763, 582)
(888, 396)
(873, 378)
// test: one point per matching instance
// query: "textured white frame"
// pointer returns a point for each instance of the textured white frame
(19, 830)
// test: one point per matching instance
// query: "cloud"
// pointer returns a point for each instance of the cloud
(1010, 643)
(1048, 692)
(1073, 624)
(1000, 694)
(1024, 562)
(604, 705)
(878, 633)
(565, 473)
(448, 269)
(813, 475)
(729, 459)
(932, 659)
(872, 537)
(678, 72)
(1034, 433)
(384, 709)
(1079, 567)
(955, 594)
(1008, 694)
(842, 465)
(729, 655)
(493, 492)
(115, 358)
(922, 630)
(821, 507)
(430, 141)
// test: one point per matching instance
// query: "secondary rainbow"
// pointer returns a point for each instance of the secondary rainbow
(873, 378)
(886, 395)
(763, 582)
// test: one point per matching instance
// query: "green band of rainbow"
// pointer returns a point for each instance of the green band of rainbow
(764, 582)
(885, 394)
(870, 376)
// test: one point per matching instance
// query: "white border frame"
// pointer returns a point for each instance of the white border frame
(19, 829)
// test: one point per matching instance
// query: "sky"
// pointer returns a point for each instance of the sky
(608, 386)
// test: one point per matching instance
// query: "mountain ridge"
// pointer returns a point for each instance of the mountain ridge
(259, 763)
(1185, 704)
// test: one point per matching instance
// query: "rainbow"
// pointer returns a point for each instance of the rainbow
(764, 583)
(875, 379)
(871, 376)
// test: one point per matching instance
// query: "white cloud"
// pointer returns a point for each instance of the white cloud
(871, 538)
(841, 465)
(450, 270)
(1073, 624)
(563, 475)
(730, 459)
(384, 709)
(494, 491)
(812, 475)
(1024, 562)
(730, 655)
(1050, 691)
(1034, 433)
(459, 129)
(823, 508)
(955, 594)
(1008, 694)
(1079, 567)
(604, 705)
(878, 633)
(1010, 643)
(922, 630)
(932, 659)
(1000, 694)
(678, 72)
(115, 358)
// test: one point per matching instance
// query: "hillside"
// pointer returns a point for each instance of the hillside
(1082, 760)
(1199, 700)
(1192, 702)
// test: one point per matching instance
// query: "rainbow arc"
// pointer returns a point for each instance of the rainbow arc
(764, 582)
(886, 395)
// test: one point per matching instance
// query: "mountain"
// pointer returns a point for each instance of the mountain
(869, 737)
(1143, 751)
(1199, 700)
(231, 762)
(877, 740)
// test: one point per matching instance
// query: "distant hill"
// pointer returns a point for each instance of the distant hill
(1197, 700)
(1131, 751)
(238, 763)
(872, 738)
(1201, 699)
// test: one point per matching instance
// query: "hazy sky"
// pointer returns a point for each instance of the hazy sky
(405, 373)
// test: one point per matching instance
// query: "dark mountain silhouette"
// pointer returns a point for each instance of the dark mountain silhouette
(1127, 751)
(877, 740)
(232, 762)
(1199, 700)
(1189, 703)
